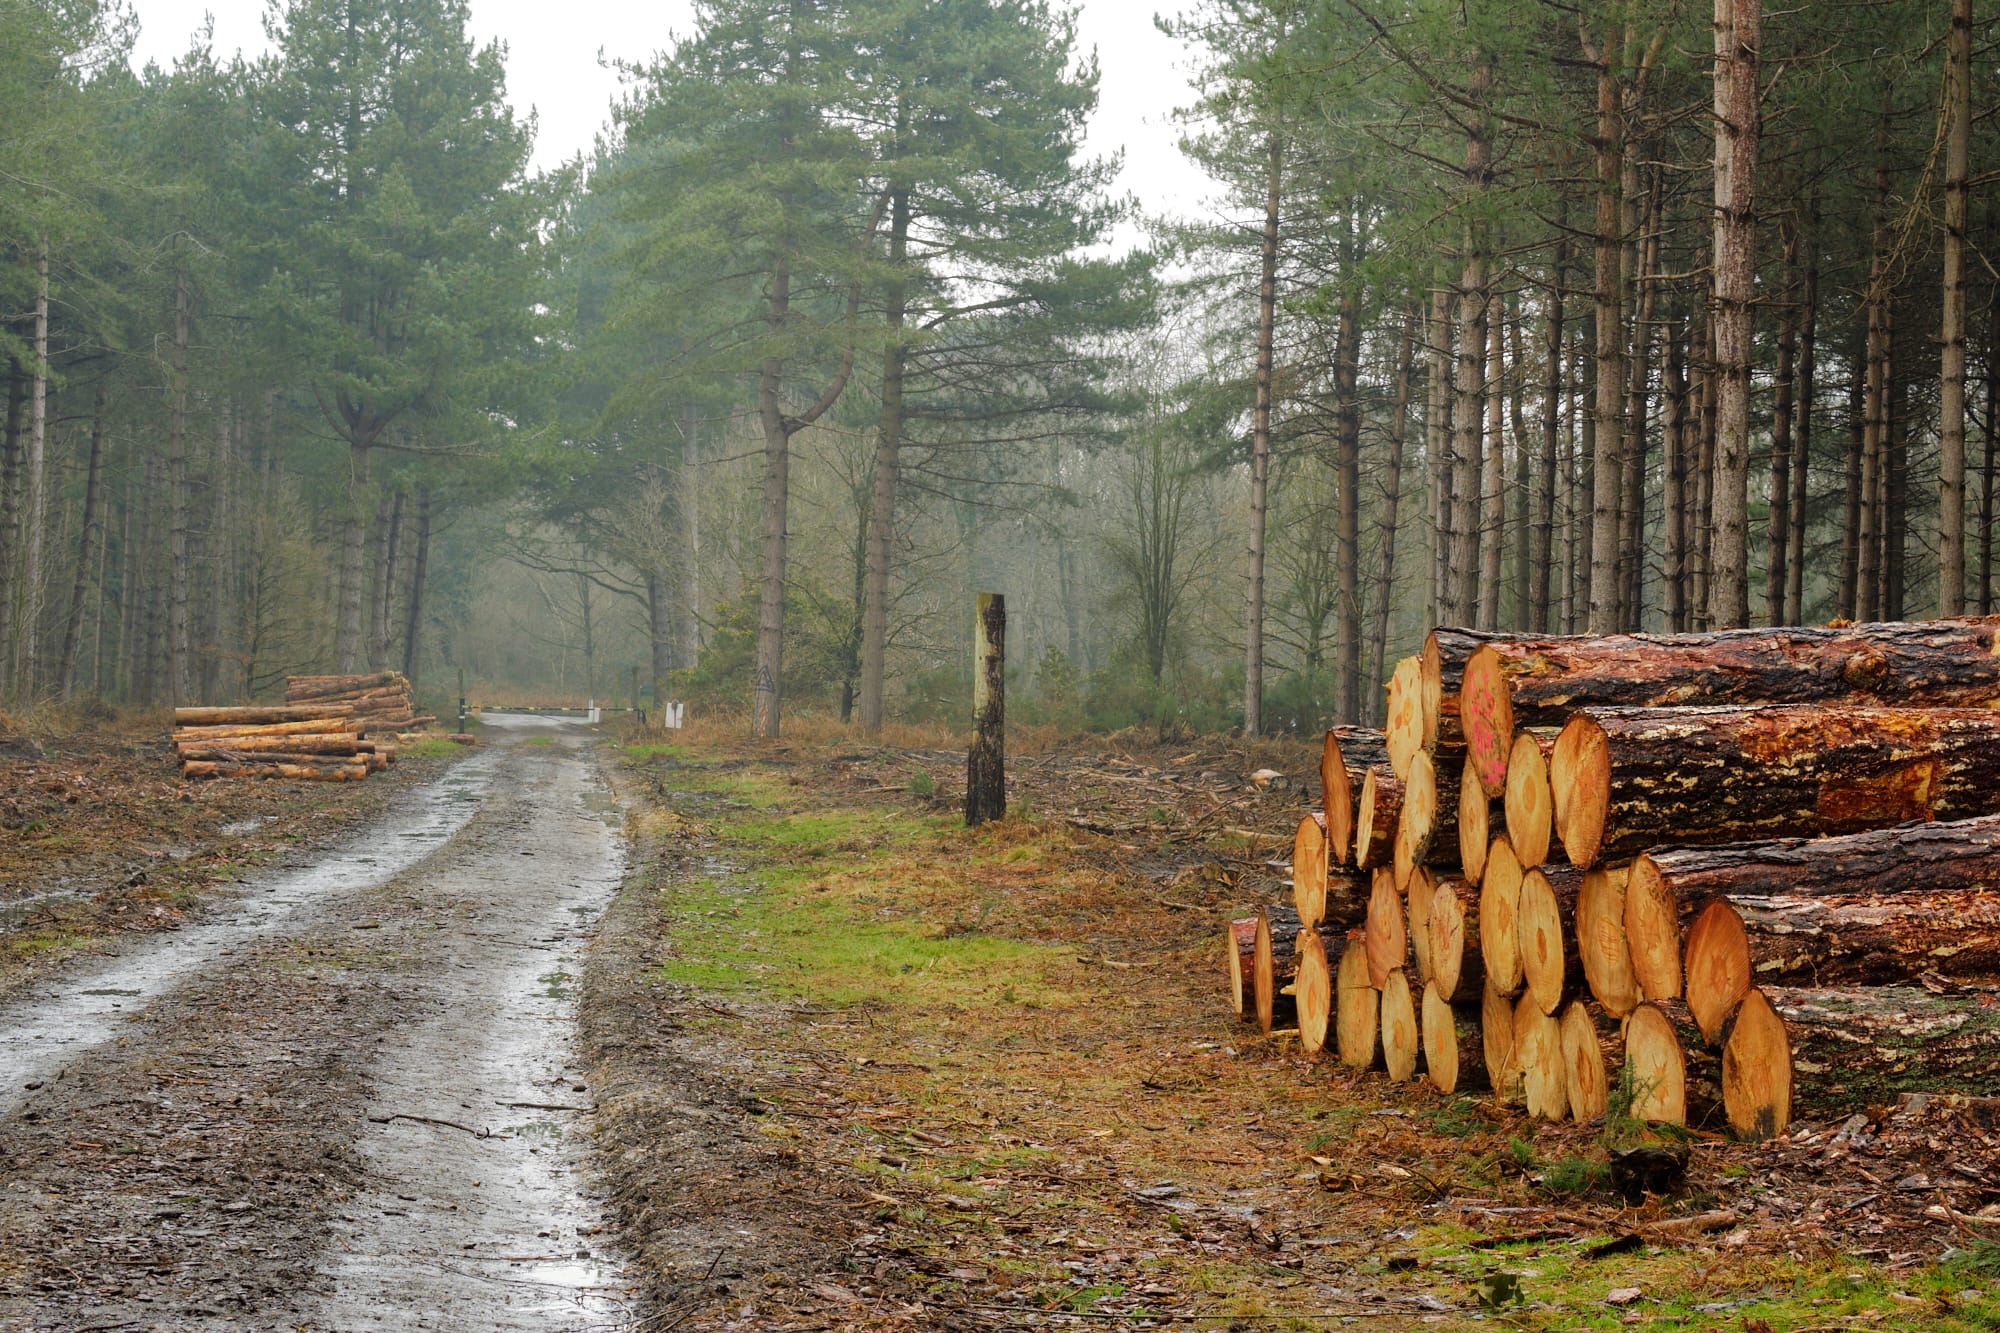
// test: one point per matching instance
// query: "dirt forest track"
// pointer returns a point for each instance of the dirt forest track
(348, 1099)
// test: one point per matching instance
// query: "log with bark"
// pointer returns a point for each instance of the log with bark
(1628, 780)
(1539, 681)
(1441, 673)
(1376, 817)
(1865, 1046)
(322, 726)
(1863, 909)
(258, 714)
(1454, 1055)
(1357, 1015)
(1346, 753)
(346, 746)
(1529, 807)
(300, 769)
(1276, 962)
(1600, 940)
(1402, 1037)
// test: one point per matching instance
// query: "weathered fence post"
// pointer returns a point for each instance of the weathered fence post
(986, 763)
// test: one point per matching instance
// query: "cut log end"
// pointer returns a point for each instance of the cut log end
(1444, 933)
(1239, 944)
(1475, 823)
(1441, 1041)
(1584, 1081)
(1717, 968)
(1387, 931)
(1309, 869)
(1357, 1006)
(1496, 1032)
(1529, 808)
(1377, 817)
(1312, 991)
(1499, 918)
(1543, 943)
(1656, 1067)
(1601, 942)
(1401, 1037)
(1580, 785)
(1486, 715)
(1403, 724)
(1417, 903)
(1538, 1059)
(1418, 818)
(1337, 796)
(1757, 1071)
(1653, 931)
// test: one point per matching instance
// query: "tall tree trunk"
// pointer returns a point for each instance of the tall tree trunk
(1493, 488)
(178, 572)
(1702, 497)
(348, 642)
(1895, 526)
(1260, 445)
(1644, 250)
(1987, 471)
(1520, 524)
(1542, 558)
(1475, 312)
(1392, 496)
(1738, 120)
(1778, 539)
(93, 522)
(1803, 423)
(1951, 371)
(221, 637)
(1576, 504)
(1848, 605)
(660, 635)
(1606, 469)
(413, 614)
(35, 503)
(1347, 523)
(1673, 506)
(1437, 457)
(12, 595)
(767, 692)
(382, 618)
(888, 472)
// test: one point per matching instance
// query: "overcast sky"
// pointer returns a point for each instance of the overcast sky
(553, 66)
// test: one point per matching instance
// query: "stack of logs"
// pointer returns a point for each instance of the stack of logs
(381, 700)
(1699, 875)
(316, 742)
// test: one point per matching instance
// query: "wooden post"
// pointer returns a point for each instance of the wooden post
(986, 762)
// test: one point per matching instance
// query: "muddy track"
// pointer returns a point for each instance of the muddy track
(352, 1100)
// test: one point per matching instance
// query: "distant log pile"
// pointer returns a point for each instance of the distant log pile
(315, 742)
(381, 700)
(1714, 875)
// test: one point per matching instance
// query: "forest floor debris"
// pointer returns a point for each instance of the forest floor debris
(994, 1069)
(100, 835)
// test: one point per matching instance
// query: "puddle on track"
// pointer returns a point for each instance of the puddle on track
(484, 1222)
(46, 1029)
